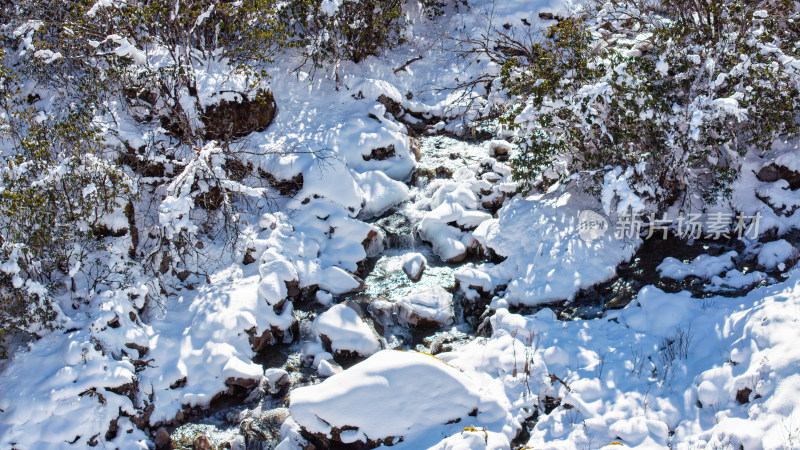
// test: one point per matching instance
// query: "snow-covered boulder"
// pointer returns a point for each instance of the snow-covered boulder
(276, 380)
(775, 254)
(704, 266)
(432, 307)
(414, 265)
(547, 259)
(343, 332)
(388, 396)
(500, 149)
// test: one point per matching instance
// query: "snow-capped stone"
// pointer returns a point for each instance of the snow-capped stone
(328, 368)
(776, 253)
(276, 380)
(432, 307)
(324, 298)
(342, 331)
(413, 265)
(500, 149)
(389, 395)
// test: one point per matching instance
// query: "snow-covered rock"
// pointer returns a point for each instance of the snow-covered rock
(431, 307)
(414, 265)
(546, 257)
(342, 331)
(276, 380)
(703, 266)
(386, 397)
(775, 254)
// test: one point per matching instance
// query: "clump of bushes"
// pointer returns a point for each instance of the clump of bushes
(57, 193)
(331, 32)
(679, 93)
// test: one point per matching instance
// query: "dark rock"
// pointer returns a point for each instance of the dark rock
(320, 441)
(236, 119)
(162, 439)
(743, 395)
(246, 383)
(114, 323)
(101, 231)
(142, 419)
(392, 107)
(772, 172)
(139, 348)
(380, 153)
(550, 403)
(178, 384)
(113, 429)
(201, 442)
(127, 389)
(248, 257)
(286, 188)
(259, 343)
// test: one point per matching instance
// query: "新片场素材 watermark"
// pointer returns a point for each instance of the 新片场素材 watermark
(592, 225)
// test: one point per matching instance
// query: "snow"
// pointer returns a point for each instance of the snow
(775, 254)
(379, 192)
(735, 279)
(392, 394)
(616, 380)
(546, 259)
(432, 305)
(346, 331)
(615, 185)
(703, 266)
(414, 264)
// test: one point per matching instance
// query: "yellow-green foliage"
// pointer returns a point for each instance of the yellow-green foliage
(589, 104)
(55, 186)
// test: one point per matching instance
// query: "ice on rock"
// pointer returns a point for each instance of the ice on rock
(390, 395)
(342, 330)
(414, 265)
(432, 307)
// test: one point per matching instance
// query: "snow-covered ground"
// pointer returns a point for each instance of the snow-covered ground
(667, 371)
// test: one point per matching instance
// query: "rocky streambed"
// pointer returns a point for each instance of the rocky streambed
(412, 298)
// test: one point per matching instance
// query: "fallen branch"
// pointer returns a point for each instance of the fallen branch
(408, 63)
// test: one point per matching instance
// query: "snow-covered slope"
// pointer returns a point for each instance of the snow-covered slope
(669, 370)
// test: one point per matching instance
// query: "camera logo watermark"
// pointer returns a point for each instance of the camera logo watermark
(592, 225)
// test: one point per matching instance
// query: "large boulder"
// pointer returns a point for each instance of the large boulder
(384, 398)
(430, 308)
(344, 333)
